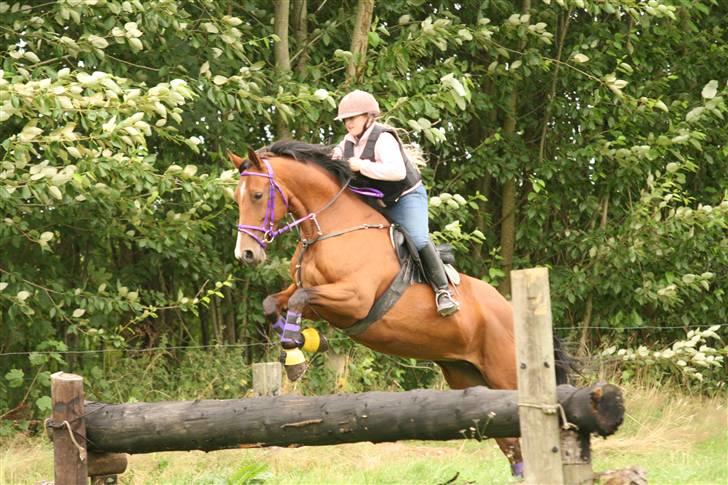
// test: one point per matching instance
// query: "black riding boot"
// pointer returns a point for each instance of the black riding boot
(435, 273)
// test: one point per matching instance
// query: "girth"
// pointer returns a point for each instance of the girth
(410, 272)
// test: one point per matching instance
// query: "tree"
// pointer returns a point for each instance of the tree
(599, 122)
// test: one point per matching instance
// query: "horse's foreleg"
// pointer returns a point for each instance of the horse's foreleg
(287, 328)
(275, 303)
(336, 297)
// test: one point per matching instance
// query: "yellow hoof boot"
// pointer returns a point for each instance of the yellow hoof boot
(294, 362)
(313, 341)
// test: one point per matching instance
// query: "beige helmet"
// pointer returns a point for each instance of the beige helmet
(357, 103)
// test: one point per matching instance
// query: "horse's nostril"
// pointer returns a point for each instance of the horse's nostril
(248, 256)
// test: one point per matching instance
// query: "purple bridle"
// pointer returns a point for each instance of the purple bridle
(268, 230)
(268, 227)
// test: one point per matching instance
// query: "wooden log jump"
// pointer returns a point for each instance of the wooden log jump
(476, 413)
(552, 453)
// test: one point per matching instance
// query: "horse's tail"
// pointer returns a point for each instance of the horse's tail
(565, 364)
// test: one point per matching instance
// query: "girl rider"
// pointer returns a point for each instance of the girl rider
(375, 152)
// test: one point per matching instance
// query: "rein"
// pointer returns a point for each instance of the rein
(269, 233)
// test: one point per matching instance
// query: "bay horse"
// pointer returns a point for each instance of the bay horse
(345, 260)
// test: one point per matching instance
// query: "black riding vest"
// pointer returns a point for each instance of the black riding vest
(392, 189)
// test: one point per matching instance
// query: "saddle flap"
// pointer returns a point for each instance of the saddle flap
(405, 250)
(452, 274)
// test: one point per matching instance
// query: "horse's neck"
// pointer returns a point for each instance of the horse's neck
(313, 190)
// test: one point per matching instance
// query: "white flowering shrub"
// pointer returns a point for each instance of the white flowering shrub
(699, 361)
(459, 212)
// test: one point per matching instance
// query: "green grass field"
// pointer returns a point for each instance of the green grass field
(676, 439)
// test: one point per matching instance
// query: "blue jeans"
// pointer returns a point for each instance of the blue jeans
(410, 212)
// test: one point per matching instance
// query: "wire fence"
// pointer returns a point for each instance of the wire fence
(331, 339)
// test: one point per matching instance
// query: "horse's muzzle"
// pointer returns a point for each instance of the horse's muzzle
(251, 256)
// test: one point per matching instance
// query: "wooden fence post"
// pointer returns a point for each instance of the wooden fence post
(69, 430)
(538, 410)
(267, 378)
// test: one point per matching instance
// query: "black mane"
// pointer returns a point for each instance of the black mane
(307, 152)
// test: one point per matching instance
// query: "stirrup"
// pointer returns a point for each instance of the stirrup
(446, 304)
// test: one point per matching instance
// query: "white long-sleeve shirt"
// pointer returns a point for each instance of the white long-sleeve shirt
(388, 163)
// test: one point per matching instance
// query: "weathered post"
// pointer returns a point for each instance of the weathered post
(69, 430)
(267, 378)
(538, 408)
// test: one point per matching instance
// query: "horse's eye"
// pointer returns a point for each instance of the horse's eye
(257, 195)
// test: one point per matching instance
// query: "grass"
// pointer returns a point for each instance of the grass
(676, 439)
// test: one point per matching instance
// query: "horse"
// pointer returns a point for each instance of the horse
(345, 260)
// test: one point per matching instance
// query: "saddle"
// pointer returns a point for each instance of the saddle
(411, 271)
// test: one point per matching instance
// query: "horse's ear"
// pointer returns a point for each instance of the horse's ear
(238, 161)
(254, 158)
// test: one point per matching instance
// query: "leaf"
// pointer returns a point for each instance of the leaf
(98, 42)
(73, 151)
(580, 58)
(31, 57)
(694, 114)
(662, 106)
(44, 404)
(210, 28)
(135, 44)
(219, 80)
(22, 295)
(414, 125)
(15, 377)
(710, 90)
(78, 312)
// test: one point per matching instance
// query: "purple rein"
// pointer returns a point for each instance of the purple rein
(367, 192)
(269, 233)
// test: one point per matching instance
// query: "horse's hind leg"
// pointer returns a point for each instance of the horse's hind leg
(462, 374)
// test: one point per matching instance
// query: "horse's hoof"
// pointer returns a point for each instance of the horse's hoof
(314, 341)
(517, 469)
(270, 308)
(294, 372)
(294, 362)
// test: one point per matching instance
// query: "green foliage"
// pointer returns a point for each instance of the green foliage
(116, 116)
(250, 474)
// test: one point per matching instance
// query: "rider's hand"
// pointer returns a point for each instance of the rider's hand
(355, 164)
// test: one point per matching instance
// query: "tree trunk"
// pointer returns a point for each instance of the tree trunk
(360, 39)
(477, 130)
(204, 326)
(508, 206)
(282, 56)
(586, 321)
(230, 316)
(477, 413)
(216, 320)
(300, 32)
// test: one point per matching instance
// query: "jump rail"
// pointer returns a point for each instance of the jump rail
(92, 438)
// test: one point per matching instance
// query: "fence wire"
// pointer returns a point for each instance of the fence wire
(332, 339)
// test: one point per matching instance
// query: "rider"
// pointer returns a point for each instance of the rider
(375, 152)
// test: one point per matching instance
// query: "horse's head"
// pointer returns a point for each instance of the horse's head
(261, 203)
